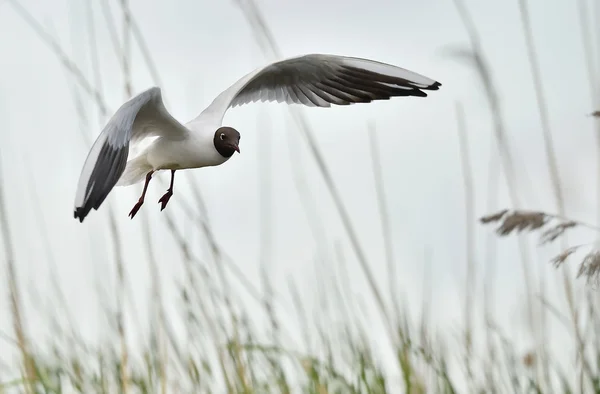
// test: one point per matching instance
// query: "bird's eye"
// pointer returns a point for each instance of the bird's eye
(222, 136)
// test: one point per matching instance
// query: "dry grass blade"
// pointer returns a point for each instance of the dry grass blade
(517, 221)
(562, 257)
(493, 217)
(590, 267)
(520, 221)
(556, 231)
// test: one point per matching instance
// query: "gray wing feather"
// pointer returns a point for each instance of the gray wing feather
(319, 80)
(322, 80)
(142, 116)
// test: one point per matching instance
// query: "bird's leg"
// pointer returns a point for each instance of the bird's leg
(165, 198)
(138, 205)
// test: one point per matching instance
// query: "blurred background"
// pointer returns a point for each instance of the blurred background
(370, 272)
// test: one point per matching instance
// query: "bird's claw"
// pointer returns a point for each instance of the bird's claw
(136, 208)
(165, 199)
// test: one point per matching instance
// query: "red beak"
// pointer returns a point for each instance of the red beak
(237, 148)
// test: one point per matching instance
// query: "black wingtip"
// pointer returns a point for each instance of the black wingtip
(434, 86)
(80, 213)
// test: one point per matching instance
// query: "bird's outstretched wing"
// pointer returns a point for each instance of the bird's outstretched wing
(318, 80)
(142, 116)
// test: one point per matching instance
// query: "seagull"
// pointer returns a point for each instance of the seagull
(144, 129)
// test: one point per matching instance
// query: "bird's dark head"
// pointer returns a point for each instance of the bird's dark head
(227, 141)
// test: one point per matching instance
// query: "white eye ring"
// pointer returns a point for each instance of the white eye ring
(222, 136)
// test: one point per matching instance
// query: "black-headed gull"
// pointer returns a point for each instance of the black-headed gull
(313, 80)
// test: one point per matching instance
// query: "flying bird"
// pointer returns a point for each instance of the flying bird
(143, 128)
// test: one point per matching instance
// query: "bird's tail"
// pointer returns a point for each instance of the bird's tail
(135, 171)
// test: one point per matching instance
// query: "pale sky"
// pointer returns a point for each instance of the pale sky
(200, 48)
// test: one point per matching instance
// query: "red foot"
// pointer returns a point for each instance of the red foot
(136, 208)
(165, 199)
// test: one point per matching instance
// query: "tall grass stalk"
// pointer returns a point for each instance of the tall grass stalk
(384, 218)
(471, 277)
(14, 293)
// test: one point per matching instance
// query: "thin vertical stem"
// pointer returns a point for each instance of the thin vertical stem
(383, 215)
(126, 55)
(110, 26)
(470, 231)
(491, 259)
(93, 46)
(542, 107)
(265, 193)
